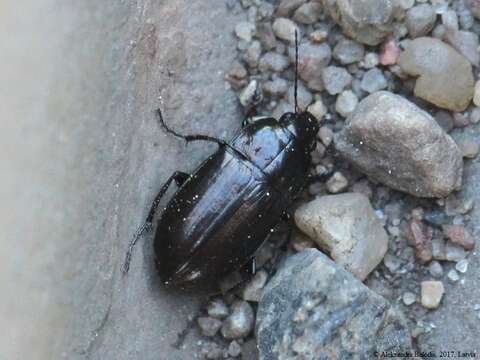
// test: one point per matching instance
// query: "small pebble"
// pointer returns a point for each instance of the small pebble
(476, 307)
(308, 13)
(373, 80)
(420, 20)
(453, 276)
(319, 36)
(284, 29)
(253, 290)
(245, 31)
(274, 61)
(234, 349)
(431, 293)
(469, 147)
(336, 79)
(444, 119)
(462, 266)
(251, 94)
(370, 60)
(318, 109)
(304, 96)
(212, 351)
(459, 235)
(209, 326)
(476, 96)
(390, 53)
(450, 20)
(240, 323)
(454, 252)
(252, 54)
(435, 269)
(409, 298)
(475, 115)
(217, 309)
(325, 134)
(337, 183)
(348, 51)
(392, 263)
(346, 103)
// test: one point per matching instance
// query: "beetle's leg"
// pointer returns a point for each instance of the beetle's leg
(179, 178)
(251, 266)
(187, 138)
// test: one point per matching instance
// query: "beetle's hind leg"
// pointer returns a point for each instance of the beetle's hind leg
(187, 138)
(179, 178)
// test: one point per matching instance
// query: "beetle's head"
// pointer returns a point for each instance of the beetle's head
(303, 125)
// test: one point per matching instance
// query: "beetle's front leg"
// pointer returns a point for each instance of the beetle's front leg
(179, 178)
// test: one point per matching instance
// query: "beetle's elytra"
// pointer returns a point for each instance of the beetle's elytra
(224, 211)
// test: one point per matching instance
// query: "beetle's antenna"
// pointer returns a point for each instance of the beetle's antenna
(296, 71)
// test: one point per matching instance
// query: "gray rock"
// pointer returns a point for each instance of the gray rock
(373, 81)
(240, 323)
(454, 252)
(318, 109)
(245, 31)
(474, 6)
(348, 51)
(346, 226)
(346, 103)
(212, 351)
(252, 54)
(304, 96)
(367, 21)
(420, 20)
(450, 20)
(409, 298)
(312, 58)
(444, 78)
(274, 62)
(312, 309)
(325, 134)
(336, 79)
(209, 326)
(476, 97)
(281, 109)
(370, 60)
(217, 309)
(266, 36)
(277, 87)
(385, 138)
(251, 94)
(445, 120)
(234, 349)
(253, 290)
(337, 183)
(453, 276)
(308, 13)
(286, 7)
(435, 269)
(462, 266)
(431, 293)
(284, 29)
(466, 43)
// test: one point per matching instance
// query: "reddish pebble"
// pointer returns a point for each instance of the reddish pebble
(459, 235)
(460, 120)
(420, 237)
(390, 53)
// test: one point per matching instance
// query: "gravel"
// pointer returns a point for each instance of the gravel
(240, 322)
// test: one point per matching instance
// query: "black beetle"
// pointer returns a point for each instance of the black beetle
(224, 211)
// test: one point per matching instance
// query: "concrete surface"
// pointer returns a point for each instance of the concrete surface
(82, 157)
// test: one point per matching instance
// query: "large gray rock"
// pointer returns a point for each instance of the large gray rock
(395, 142)
(445, 77)
(346, 226)
(312, 309)
(366, 21)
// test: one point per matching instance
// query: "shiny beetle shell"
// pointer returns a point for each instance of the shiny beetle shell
(224, 212)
